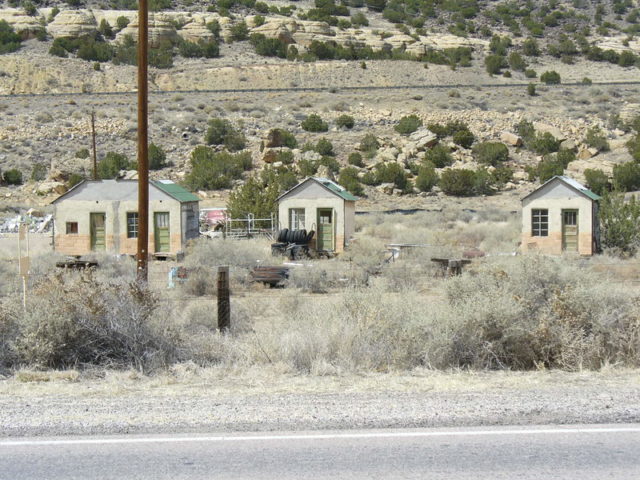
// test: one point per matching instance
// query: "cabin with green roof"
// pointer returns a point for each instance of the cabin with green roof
(102, 216)
(323, 206)
(561, 216)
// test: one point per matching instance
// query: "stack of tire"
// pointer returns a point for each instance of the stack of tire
(292, 243)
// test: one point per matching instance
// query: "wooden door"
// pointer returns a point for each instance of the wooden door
(570, 230)
(325, 229)
(97, 231)
(161, 232)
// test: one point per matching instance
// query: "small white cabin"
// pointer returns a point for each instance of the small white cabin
(321, 205)
(561, 216)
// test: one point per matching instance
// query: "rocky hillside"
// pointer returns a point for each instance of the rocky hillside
(451, 56)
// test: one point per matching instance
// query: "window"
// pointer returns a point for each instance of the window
(72, 228)
(296, 218)
(132, 224)
(539, 222)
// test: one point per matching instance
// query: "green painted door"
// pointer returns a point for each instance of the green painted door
(161, 232)
(325, 229)
(97, 231)
(570, 230)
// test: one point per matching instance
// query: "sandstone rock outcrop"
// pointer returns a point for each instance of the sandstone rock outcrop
(22, 23)
(160, 28)
(72, 23)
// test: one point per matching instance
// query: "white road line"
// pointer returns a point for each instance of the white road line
(312, 436)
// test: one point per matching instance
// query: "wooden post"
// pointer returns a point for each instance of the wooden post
(93, 142)
(224, 304)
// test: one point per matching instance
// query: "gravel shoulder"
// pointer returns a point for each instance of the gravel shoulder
(189, 399)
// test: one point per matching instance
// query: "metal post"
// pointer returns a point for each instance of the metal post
(224, 304)
(143, 148)
(95, 155)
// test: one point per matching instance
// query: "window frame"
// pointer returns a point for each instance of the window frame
(539, 222)
(297, 216)
(69, 231)
(133, 227)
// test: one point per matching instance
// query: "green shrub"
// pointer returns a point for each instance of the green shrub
(285, 156)
(74, 179)
(633, 146)
(330, 162)
(56, 50)
(494, 64)
(324, 147)
(122, 22)
(565, 157)
(355, 159)
(530, 47)
(82, 153)
(268, 47)
(501, 175)
(439, 156)
(12, 176)
(542, 143)
(314, 123)
(222, 132)
(597, 180)
(491, 153)
(239, 32)
(39, 172)
(620, 223)
(458, 182)
(211, 170)
(530, 73)
(157, 157)
(94, 51)
(550, 77)
(595, 138)
(105, 29)
(464, 138)
(408, 124)
(516, 62)
(257, 197)
(345, 121)
(307, 168)
(549, 168)
(369, 143)
(531, 90)
(392, 173)
(349, 179)
(161, 57)
(427, 177)
(626, 176)
(112, 163)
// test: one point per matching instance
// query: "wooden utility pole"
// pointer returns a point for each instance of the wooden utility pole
(95, 154)
(143, 147)
(224, 304)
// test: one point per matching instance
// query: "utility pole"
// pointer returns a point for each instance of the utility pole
(93, 135)
(224, 304)
(143, 147)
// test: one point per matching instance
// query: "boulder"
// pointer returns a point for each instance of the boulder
(386, 188)
(24, 24)
(195, 31)
(568, 144)
(46, 188)
(510, 139)
(586, 153)
(270, 156)
(423, 138)
(160, 28)
(72, 23)
(546, 128)
(275, 29)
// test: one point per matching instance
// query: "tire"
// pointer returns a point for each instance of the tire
(290, 236)
(310, 236)
(282, 235)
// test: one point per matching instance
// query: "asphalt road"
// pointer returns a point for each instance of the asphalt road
(577, 452)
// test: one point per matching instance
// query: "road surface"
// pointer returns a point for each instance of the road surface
(578, 452)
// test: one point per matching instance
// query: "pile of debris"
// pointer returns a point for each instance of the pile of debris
(37, 222)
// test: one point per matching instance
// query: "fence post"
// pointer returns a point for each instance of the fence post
(224, 304)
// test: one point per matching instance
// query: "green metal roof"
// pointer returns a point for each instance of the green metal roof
(176, 191)
(337, 189)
